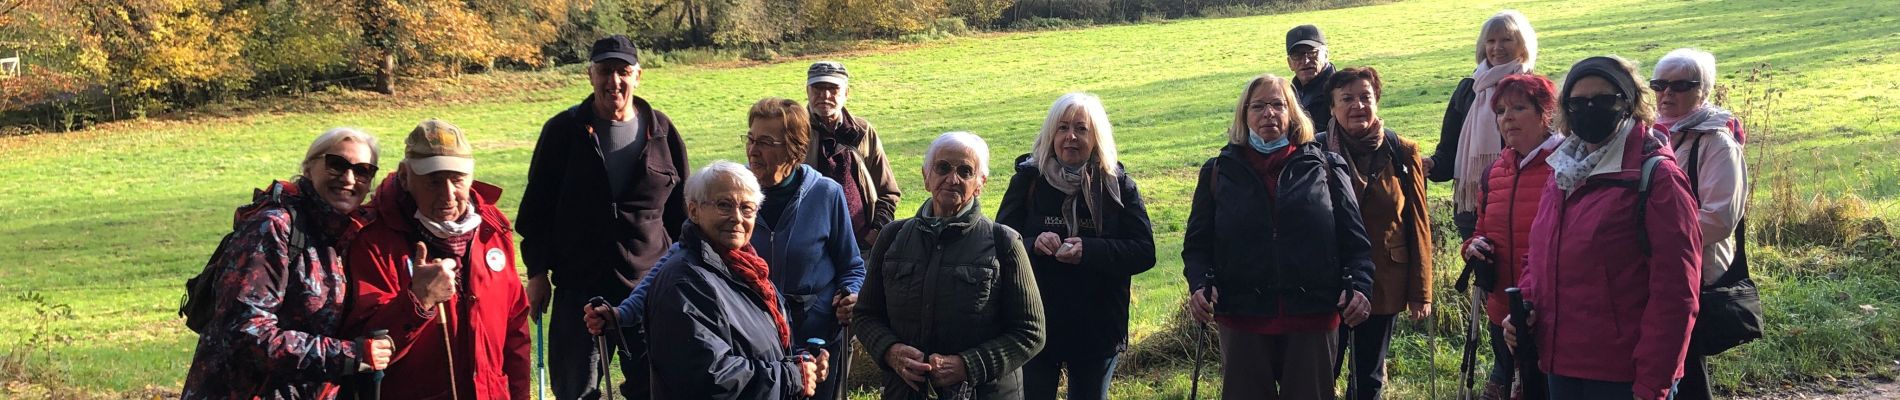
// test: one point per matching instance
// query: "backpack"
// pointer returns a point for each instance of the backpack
(1731, 312)
(199, 305)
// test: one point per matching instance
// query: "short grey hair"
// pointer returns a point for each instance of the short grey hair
(965, 140)
(699, 185)
(1699, 61)
(330, 139)
(1520, 26)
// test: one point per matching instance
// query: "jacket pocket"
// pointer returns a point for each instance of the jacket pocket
(975, 286)
(903, 288)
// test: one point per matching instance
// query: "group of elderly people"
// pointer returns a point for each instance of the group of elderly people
(1308, 234)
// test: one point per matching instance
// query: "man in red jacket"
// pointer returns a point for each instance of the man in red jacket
(437, 269)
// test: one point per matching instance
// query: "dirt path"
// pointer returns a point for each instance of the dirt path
(1864, 390)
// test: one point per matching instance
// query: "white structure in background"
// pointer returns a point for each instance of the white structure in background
(10, 67)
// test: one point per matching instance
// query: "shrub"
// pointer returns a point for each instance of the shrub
(1045, 24)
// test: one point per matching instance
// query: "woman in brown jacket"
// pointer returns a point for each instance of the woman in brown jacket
(1389, 182)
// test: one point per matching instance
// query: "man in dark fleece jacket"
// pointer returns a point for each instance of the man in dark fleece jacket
(1306, 55)
(604, 199)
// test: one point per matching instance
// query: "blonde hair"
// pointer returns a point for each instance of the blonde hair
(330, 139)
(1520, 27)
(1044, 153)
(1300, 130)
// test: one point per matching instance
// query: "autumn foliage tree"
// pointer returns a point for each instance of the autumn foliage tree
(141, 56)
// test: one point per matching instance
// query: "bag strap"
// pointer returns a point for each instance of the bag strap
(1694, 168)
(1738, 267)
(1642, 202)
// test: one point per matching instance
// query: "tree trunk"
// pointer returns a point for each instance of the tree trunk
(386, 73)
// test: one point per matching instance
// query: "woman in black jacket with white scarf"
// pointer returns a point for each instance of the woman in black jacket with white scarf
(1088, 233)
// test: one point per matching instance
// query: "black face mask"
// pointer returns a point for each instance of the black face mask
(1594, 119)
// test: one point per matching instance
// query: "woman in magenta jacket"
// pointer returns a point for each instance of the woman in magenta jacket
(1613, 273)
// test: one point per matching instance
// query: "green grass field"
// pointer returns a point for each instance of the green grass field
(111, 221)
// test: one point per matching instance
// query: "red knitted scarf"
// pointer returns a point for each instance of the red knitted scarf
(751, 269)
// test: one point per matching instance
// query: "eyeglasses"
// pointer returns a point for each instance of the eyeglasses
(1576, 104)
(337, 165)
(965, 171)
(729, 208)
(1680, 86)
(749, 141)
(1303, 56)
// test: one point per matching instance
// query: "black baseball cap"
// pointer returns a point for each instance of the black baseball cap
(1305, 35)
(617, 47)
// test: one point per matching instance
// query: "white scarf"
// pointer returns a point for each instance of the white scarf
(1573, 161)
(449, 229)
(1480, 142)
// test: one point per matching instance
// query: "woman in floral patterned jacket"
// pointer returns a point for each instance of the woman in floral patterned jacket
(280, 284)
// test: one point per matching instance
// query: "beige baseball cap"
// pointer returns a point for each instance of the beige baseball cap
(436, 145)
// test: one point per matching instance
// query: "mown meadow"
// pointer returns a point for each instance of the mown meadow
(100, 228)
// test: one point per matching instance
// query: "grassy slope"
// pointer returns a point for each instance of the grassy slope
(111, 221)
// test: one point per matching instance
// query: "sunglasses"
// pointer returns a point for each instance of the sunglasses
(1576, 104)
(1680, 86)
(944, 168)
(337, 165)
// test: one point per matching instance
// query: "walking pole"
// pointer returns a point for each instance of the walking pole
(606, 351)
(1431, 334)
(842, 377)
(1468, 363)
(1529, 377)
(1352, 363)
(540, 360)
(375, 389)
(448, 348)
(1200, 351)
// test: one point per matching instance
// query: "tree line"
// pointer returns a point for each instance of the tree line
(134, 57)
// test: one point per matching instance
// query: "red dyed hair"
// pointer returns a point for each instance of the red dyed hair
(1539, 89)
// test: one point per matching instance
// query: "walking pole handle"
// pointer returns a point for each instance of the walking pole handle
(375, 391)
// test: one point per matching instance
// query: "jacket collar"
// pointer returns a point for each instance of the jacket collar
(585, 115)
(1111, 188)
(825, 131)
(1319, 81)
(1538, 154)
(956, 224)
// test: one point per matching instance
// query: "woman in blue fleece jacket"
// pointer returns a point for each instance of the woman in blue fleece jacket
(803, 233)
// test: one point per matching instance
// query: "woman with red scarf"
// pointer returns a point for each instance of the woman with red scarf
(714, 319)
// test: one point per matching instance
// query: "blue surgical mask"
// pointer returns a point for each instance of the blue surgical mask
(1263, 146)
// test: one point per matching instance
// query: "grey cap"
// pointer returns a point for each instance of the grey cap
(827, 71)
(1305, 35)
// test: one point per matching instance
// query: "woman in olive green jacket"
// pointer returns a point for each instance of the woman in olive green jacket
(949, 307)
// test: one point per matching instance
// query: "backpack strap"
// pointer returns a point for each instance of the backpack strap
(998, 240)
(1642, 202)
(1693, 168)
(1738, 267)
